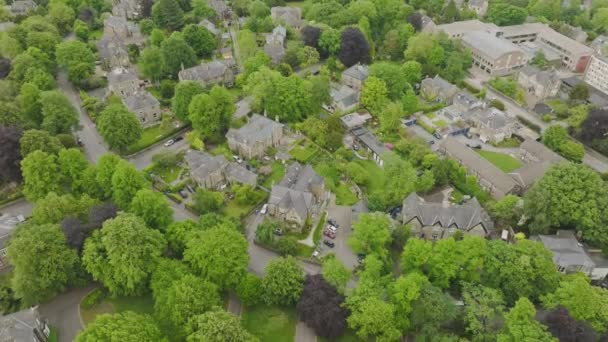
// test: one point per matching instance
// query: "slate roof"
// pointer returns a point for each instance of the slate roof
(288, 199)
(275, 52)
(542, 159)
(204, 72)
(477, 164)
(292, 16)
(201, 164)
(209, 26)
(357, 71)
(344, 95)
(444, 87)
(278, 35)
(23, 6)
(120, 75)
(370, 140)
(108, 47)
(464, 216)
(243, 107)
(494, 118)
(19, 326)
(489, 44)
(300, 178)
(543, 77)
(355, 120)
(567, 251)
(540, 151)
(140, 100)
(257, 129)
(236, 172)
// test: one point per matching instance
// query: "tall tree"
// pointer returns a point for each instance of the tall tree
(371, 234)
(125, 326)
(126, 182)
(217, 325)
(72, 164)
(177, 54)
(200, 40)
(374, 95)
(211, 113)
(167, 14)
(53, 208)
(44, 265)
(106, 165)
(335, 273)
(283, 282)
(10, 156)
(153, 208)
(59, 116)
(218, 254)
(184, 92)
(123, 254)
(77, 58)
(151, 63)
(34, 140)
(483, 311)
(520, 324)
(403, 293)
(119, 127)
(354, 47)
(375, 318)
(40, 175)
(29, 102)
(321, 307)
(565, 328)
(431, 311)
(503, 14)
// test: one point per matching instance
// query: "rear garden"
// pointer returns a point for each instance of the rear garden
(270, 323)
(501, 160)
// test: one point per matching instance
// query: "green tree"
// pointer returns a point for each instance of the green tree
(504, 14)
(200, 40)
(178, 233)
(153, 208)
(404, 291)
(416, 255)
(374, 95)
(81, 29)
(600, 20)
(43, 263)
(211, 113)
(409, 102)
(123, 254)
(442, 268)
(166, 272)
(37, 140)
(568, 195)
(555, 136)
(125, 326)
(335, 273)
(126, 182)
(451, 13)
(371, 234)
(483, 311)
(249, 289)
(520, 324)
(507, 211)
(184, 92)
(432, 310)
(61, 15)
(283, 282)
(151, 63)
(330, 41)
(219, 255)
(58, 114)
(584, 302)
(77, 58)
(29, 102)
(54, 208)
(72, 164)
(244, 194)
(206, 201)
(176, 53)
(185, 298)
(375, 318)
(247, 44)
(167, 14)
(395, 41)
(106, 165)
(40, 175)
(471, 253)
(579, 93)
(217, 325)
(395, 77)
(539, 60)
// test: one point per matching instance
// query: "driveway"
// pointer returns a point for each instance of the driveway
(63, 313)
(144, 159)
(304, 333)
(344, 217)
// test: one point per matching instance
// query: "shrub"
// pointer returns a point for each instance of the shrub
(93, 298)
(497, 104)
(287, 246)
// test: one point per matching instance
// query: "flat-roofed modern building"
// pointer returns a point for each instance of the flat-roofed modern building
(596, 74)
(493, 55)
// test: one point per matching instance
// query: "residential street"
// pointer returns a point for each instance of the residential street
(144, 159)
(63, 312)
(20, 207)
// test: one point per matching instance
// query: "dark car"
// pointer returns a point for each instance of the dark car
(278, 232)
(183, 193)
(437, 135)
(360, 257)
(329, 243)
(333, 223)
(329, 234)
(180, 138)
(475, 146)
(190, 188)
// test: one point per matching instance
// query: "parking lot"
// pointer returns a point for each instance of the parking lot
(343, 216)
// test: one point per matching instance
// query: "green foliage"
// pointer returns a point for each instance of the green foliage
(520, 324)
(503, 14)
(167, 14)
(200, 40)
(153, 208)
(265, 232)
(40, 175)
(335, 273)
(54, 208)
(123, 254)
(119, 127)
(287, 245)
(219, 255)
(58, 114)
(176, 53)
(61, 15)
(178, 233)
(247, 44)
(483, 311)
(283, 282)
(432, 310)
(206, 201)
(125, 326)
(375, 318)
(184, 92)
(371, 234)
(151, 63)
(249, 289)
(211, 113)
(43, 263)
(217, 325)
(374, 95)
(77, 58)
(126, 182)
(38, 140)
(106, 165)
(397, 78)
(509, 87)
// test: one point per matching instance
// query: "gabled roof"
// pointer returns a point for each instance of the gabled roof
(257, 129)
(440, 85)
(489, 44)
(300, 178)
(358, 71)
(566, 249)
(292, 16)
(204, 72)
(289, 199)
(120, 75)
(345, 95)
(202, 164)
(236, 172)
(540, 151)
(464, 216)
(140, 100)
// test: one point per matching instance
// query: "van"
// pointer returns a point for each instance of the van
(264, 209)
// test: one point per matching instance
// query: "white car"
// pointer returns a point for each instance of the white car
(264, 209)
(169, 142)
(332, 228)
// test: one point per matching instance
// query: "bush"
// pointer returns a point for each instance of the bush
(249, 290)
(547, 118)
(167, 88)
(67, 140)
(93, 298)
(497, 104)
(287, 246)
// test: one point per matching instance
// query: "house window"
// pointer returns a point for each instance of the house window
(435, 236)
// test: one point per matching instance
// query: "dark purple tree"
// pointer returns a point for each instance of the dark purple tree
(566, 328)
(100, 213)
(595, 125)
(320, 307)
(354, 48)
(310, 36)
(75, 232)
(5, 67)
(10, 155)
(415, 19)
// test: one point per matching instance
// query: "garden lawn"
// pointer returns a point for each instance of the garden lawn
(304, 154)
(349, 336)
(503, 161)
(270, 323)
(344, 196)
(168, 174)
(142, 304)
(278, 171)
(376, 175)
(316, 235)
(53, 335)
(152, 135)
(237, 210)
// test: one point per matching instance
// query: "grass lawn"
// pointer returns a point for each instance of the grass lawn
(142, 304)
(349, 336)
(509, 142)
(305, 251)
(344, 196)
(53, 335)
(430, 115)
(303, 154)
(270, 323)
(237, 210)
(503, 161)
(168, 174)
(152, 135)
(376, 179)
(295, 4)
(278, 171)
(222, 149)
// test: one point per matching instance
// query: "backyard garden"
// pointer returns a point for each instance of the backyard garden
(503, 161)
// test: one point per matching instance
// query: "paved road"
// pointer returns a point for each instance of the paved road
(20, 207)
(62, 313)
(144, 159)
(304, 333)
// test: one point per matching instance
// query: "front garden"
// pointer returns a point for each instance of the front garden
(270, 323)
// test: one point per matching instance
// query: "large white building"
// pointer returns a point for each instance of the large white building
(494, 55)
(596, 74)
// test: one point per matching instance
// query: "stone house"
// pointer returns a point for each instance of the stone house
(434, 221)
(145, 106)
(480, 7)
(222, 11)
(207, 74)
(291, 16)
(214, 172)
(343, 98)
(355, 77)
(112, 53)
(123, 82)
(437, 89)
(23, 7)
(130, 9)
(369, 142)
(126, 31)
(538, 159)
(542, 84)
(252, 140)
(25, 325)
(492, 125)
(275, 44)
(298, 196)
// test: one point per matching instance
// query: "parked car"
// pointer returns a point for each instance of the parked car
(264, 209)
(329, 243)
(183, 193)
(329, 234)
(180, 138)
(332, 228)
(437, 135)
(169, 142)
(278, 232)
(333, 222)
(475, 146)
(79, 141)
(316, 253)
(356, 147)
(431, 142)
(190, 188)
